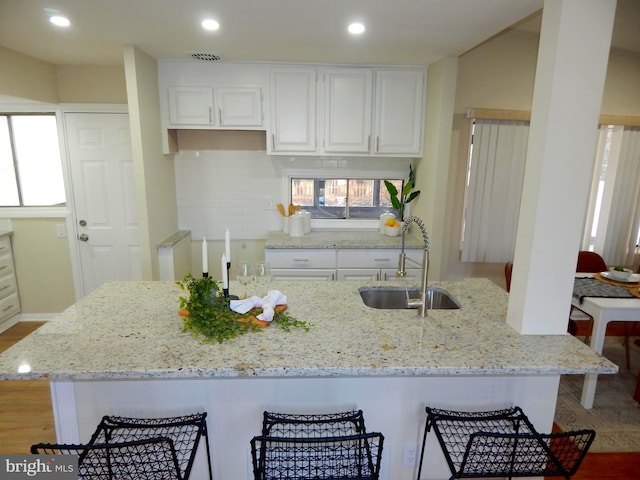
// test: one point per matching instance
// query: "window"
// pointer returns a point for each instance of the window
(30, 163)
(342, 198)
(613, 218)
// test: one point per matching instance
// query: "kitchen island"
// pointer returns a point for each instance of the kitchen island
(121, 350)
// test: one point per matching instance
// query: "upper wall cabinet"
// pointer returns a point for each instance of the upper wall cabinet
(399, 112)
(215, 107)
(347, 110)
(202, 95)
(293, 110)
(360, 111)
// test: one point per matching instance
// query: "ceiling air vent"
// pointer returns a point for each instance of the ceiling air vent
(206, 57)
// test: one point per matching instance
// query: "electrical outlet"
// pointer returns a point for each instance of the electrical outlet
(409, 454)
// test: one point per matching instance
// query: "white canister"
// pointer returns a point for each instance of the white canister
(285, 224)
(383, 220)
(307, 221)
(296, 225)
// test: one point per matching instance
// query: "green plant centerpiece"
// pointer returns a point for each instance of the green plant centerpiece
(400, 201)
(208, 315)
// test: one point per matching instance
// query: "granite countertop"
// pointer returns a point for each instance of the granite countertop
(341, 239)
(132, 330)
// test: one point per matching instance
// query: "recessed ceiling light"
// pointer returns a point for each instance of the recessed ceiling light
(59, 20)
(210, 24)
(356, 28)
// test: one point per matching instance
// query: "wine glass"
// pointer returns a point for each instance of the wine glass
(245, 275)
(263, 277)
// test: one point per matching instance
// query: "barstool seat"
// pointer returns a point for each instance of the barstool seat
(503, 443)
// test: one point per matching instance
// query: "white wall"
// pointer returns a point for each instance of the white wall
(232, 188)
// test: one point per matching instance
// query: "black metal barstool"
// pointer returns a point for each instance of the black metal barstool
(149, 459)
(184, 431)
(317, 446)
(503, 443)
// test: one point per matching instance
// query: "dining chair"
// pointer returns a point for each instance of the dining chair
(508, 271)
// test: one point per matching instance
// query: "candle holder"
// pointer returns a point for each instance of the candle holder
(205, 274)
(225, 291)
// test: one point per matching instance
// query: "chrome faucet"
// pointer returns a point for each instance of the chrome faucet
(421, 303)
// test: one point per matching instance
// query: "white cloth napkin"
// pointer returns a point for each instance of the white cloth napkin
(268, 304)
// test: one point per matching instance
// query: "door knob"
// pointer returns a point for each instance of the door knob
(83, 238)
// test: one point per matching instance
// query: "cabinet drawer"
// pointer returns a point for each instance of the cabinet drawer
(7, 286)
(301, 258)
(5, 245)
(9, 306)
(295, 274)
(368, 258)
(6, 265)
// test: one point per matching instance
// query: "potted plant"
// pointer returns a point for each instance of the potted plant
(399, 201)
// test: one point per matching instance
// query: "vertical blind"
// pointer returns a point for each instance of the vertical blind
(493, 191)
(616, 192)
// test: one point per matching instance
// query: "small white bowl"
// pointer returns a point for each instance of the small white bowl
(392, 231)
(620, 274)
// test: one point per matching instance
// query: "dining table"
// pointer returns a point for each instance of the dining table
(605, 300)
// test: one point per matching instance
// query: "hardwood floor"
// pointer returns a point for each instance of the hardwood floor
(25, 406)
(26, 418)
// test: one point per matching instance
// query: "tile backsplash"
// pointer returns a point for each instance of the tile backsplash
(238, 189)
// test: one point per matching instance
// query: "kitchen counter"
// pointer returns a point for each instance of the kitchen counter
(132, 330)
(121, 351)
(340, 239)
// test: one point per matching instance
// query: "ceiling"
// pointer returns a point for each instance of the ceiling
(407, 32)
(411, 32)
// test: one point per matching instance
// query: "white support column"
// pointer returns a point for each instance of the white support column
(570, 75)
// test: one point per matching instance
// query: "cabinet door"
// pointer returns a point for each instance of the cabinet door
(399, 114)
(361, 274)
(295, 274)
(191, 105)
(239, 106)
(293, 110)
(347, 109)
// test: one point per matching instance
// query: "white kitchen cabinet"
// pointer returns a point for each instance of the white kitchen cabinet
(398, 126)
(363, 111)
(302, 263)
(375, 264)
(293, 110)
(303, 274)
(233, 106)
(347, 110)
(9, 299)
(191, 106)
(239, 106)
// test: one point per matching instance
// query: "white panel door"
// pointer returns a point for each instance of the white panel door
(99, 147)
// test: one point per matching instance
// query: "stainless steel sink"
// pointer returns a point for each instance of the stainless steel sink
(396, 297)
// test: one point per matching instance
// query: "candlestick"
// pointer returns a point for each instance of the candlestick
(225, 272)
(205, 258)
(227, 245)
